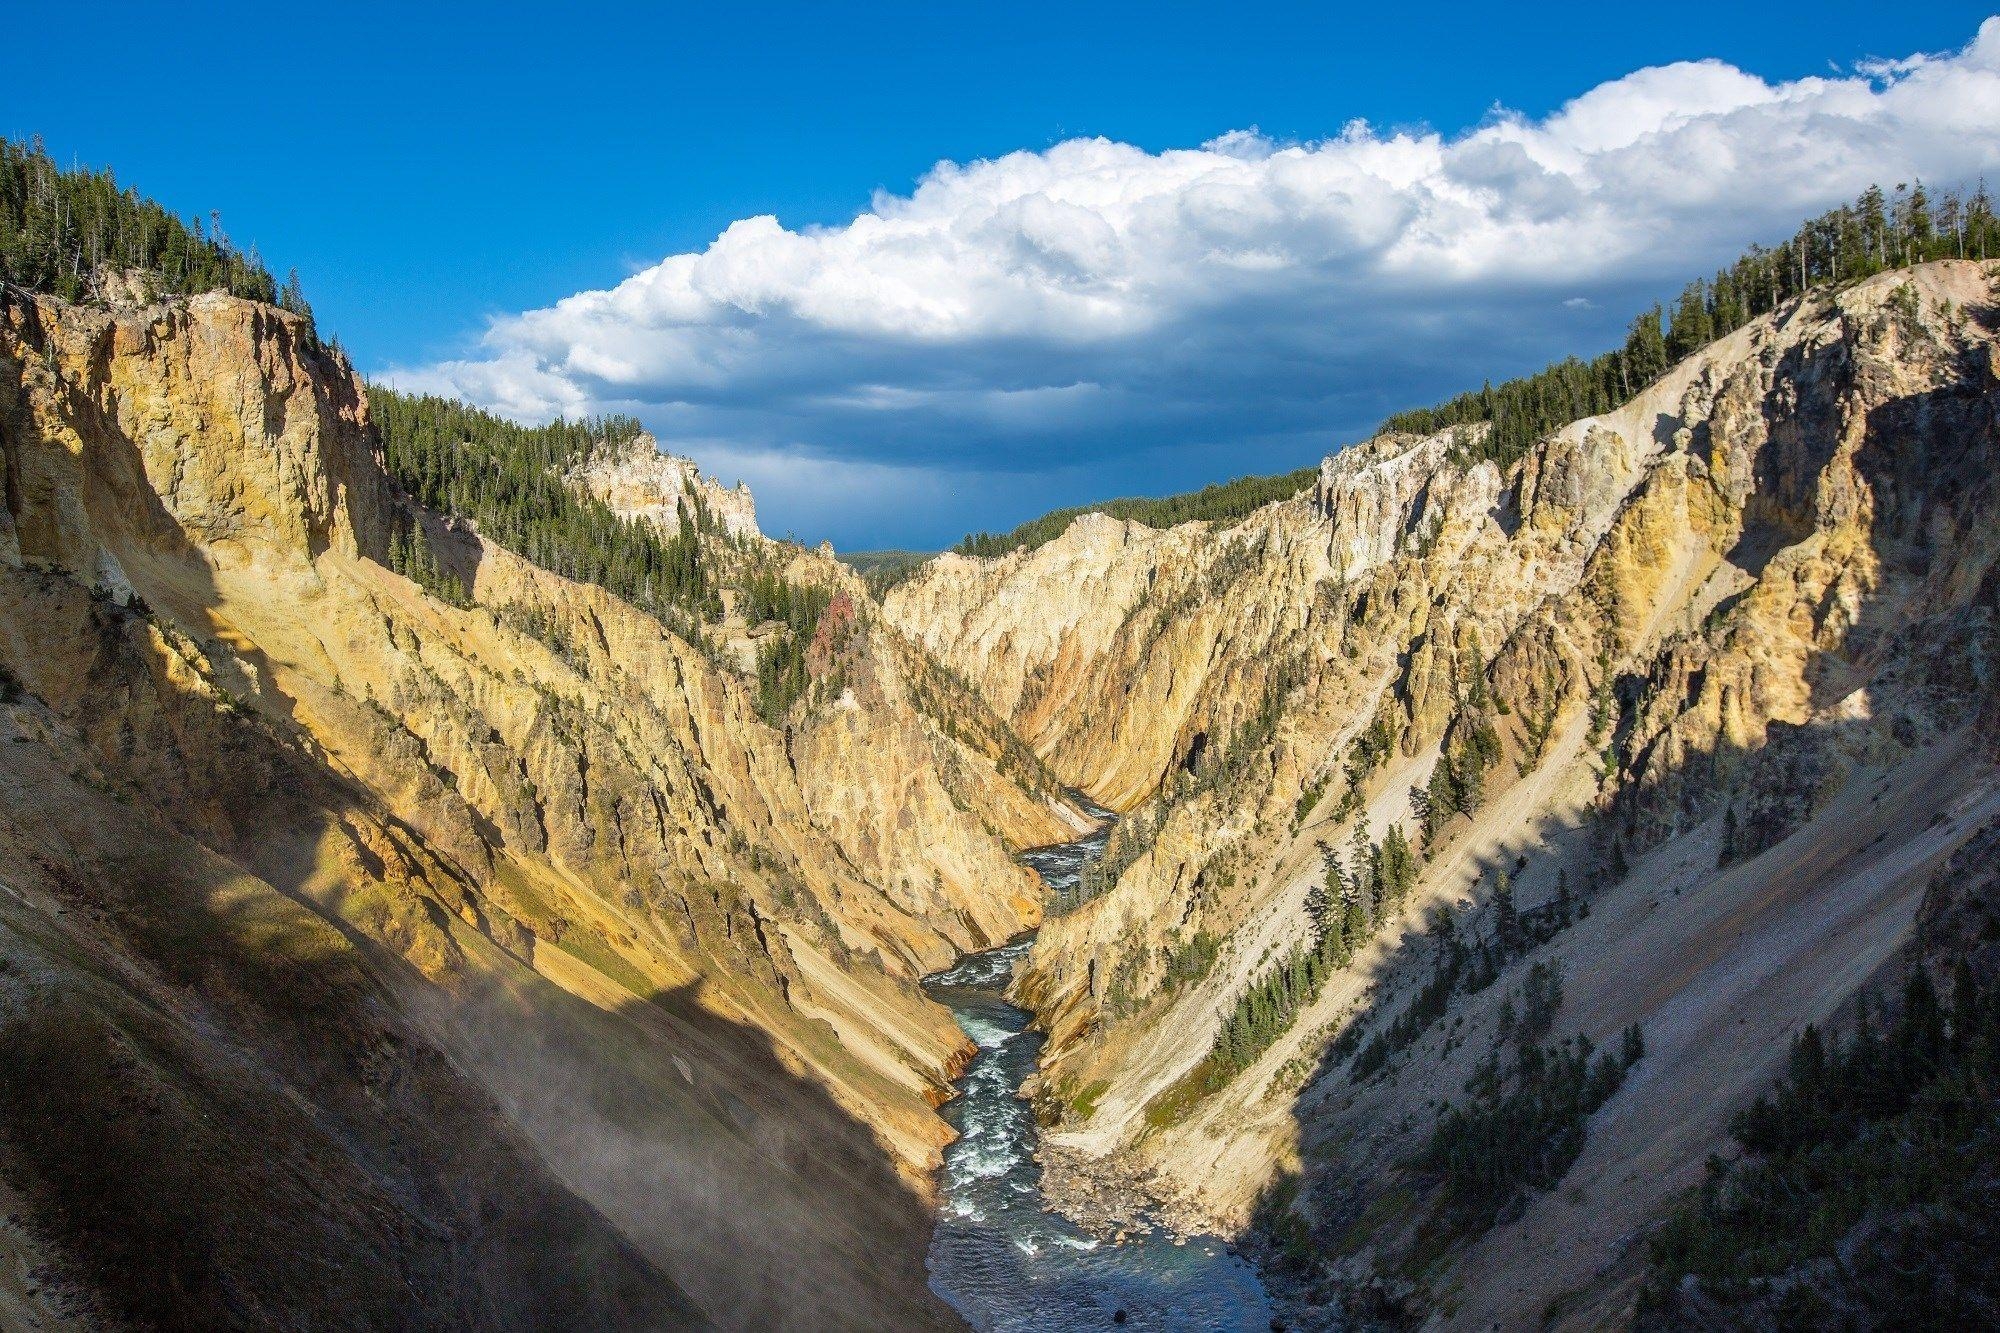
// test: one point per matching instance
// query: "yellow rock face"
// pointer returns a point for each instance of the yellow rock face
(676, 946)
(1764, 577)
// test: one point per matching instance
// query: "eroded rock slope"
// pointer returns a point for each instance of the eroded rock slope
(503, 950)
(1709, 678)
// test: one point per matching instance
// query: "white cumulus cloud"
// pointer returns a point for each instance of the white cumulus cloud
(1226, 307)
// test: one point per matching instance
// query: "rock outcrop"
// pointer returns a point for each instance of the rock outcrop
(639, 479)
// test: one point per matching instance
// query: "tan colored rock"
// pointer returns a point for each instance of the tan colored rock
(1747, 589)
(641, 480)
(663, 936)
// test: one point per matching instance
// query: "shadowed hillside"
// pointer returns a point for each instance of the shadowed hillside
(465, 922)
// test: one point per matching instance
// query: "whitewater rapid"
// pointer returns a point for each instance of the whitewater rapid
(1001, 1258)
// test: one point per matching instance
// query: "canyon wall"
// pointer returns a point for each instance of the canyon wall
(300, 857)
(1708, 678)
(517, 950)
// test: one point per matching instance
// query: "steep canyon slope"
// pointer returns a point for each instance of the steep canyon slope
(1682, 710)
(494, 947)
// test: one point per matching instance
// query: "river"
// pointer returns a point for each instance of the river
(999, 1255)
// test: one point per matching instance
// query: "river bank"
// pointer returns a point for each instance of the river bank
(1110, 1197)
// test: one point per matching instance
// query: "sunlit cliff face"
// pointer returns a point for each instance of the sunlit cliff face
(1724, 653)
(670, 948)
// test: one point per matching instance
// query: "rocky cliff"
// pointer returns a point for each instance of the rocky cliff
(920, 784)
(1682, 708)
(637, 478)
(502, 951)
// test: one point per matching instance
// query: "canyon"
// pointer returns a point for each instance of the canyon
(512, 950)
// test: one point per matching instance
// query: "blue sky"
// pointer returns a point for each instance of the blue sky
(442, 180)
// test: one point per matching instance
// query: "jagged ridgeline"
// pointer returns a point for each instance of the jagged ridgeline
(1223, 502)
(59, 228)
(1876, 233)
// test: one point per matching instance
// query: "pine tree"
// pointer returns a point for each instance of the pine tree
(1441, 800)
(1322, 896)
(1361, 864)
(1692, 328)
(1471, 783)
(1632, 1047)
(1507, 924)
(293, 297)
(1399, 865)
(1353, 924)
(1917, 223)
(1646, 350)
(1472, 681)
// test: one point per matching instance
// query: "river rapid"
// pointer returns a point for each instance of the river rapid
(1000, 1256)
